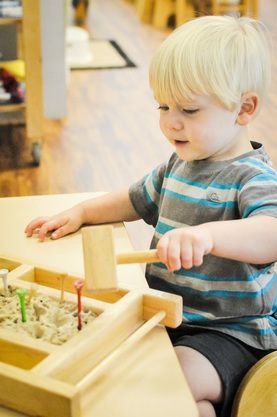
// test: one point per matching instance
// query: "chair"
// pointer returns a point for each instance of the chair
(157, 12)
(163, 9)
(188, 9)
(144, 9)
(184, 11)
(243, 7)
(257, 394)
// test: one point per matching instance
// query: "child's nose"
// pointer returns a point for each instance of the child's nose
(174, 122)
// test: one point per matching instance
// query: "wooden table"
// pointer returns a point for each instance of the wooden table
(148, 381)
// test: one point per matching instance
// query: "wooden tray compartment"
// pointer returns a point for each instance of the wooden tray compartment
(19, 351)
(53, 279)
(9, 264)
(40, 379)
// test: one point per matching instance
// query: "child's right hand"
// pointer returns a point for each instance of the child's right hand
(60, 224)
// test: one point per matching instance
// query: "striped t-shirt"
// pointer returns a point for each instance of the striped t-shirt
(222, 294)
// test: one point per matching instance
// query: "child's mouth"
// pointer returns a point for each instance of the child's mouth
(180, 142)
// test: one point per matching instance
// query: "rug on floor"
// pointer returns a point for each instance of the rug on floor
(97, 54)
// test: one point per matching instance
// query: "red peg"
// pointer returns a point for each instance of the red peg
(78, 286)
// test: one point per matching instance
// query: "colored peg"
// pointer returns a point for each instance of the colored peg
(62, 279)
(4, 275)
(32, 292)
(21, 292)
(78, 286)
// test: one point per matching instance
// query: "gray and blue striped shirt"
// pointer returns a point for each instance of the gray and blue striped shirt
(224, 295)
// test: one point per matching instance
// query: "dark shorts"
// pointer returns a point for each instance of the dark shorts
(230, 357)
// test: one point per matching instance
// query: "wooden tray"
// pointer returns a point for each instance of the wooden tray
(42, 379)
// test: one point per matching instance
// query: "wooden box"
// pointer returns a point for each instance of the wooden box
(42, 379)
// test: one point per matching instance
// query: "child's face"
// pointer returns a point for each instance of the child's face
(201, 129)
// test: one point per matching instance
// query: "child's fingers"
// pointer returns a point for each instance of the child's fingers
(35, 224)
(174, 255)
(169, 252)
(48, 227)
(198, 253)
(186, 255)
(162, 247)
(62, 231)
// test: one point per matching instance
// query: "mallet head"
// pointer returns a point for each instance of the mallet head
(99, 258)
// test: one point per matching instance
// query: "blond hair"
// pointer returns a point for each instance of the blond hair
(221, 56)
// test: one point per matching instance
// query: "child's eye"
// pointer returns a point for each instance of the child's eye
(163, 107)
(190, 111)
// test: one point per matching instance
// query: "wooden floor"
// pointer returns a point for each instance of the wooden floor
(111, 137)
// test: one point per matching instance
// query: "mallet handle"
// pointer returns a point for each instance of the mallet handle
(148, 256)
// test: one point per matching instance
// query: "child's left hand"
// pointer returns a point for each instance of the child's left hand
(185, 247)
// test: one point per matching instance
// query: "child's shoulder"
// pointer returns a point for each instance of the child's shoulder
(254, 163)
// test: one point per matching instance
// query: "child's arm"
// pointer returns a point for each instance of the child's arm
(111, 207)
(251, 240)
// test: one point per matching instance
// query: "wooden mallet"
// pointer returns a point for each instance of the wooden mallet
(100, 259)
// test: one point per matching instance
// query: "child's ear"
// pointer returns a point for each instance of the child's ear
(248, 108)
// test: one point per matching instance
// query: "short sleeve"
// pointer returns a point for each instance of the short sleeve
(145, 195)
(258, 196)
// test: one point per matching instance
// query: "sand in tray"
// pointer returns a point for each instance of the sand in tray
(47, 318)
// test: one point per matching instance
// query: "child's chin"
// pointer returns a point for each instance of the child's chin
(186, 156)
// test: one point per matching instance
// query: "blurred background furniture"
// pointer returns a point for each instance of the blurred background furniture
(163, 10)
(184, 10)
(144, 9)
(80, 11)
(242, 7)
(29, 48)
(162, 13)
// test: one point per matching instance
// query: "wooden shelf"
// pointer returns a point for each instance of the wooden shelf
(10, 20)
(15, 118)
(8, 108)
(29, 35)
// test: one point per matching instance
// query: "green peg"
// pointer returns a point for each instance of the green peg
(21, 292)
